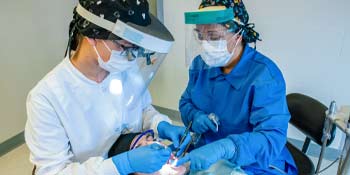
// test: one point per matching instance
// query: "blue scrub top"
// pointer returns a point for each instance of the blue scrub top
(251, 104)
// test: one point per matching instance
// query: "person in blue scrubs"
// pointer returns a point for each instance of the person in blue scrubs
(243, 88)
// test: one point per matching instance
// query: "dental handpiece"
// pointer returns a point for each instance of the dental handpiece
(196, 136)
(183, 138)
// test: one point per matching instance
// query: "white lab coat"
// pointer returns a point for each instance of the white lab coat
(73, 122)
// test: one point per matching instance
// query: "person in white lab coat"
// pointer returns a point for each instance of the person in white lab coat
(99, 91)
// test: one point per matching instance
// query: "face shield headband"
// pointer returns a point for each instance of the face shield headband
(127, 32)
(209, 15)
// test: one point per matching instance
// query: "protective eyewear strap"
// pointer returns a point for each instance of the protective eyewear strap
(239, 40)
(150, 131)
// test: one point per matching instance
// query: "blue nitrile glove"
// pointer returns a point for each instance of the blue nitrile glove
(146, 159)
(201, 124)
(202, 158)
(173, 133)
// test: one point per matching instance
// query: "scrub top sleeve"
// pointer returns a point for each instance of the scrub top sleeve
(49, 145)
(269, 119)
(187, 109)
(151, 117)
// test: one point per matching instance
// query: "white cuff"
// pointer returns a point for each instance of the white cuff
(109, 168)
(159, 118)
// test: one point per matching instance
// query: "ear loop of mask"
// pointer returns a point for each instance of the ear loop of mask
(239, 39)
(239, 32)
(109, 49)
(98, 54)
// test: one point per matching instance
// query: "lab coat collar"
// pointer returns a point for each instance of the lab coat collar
(239, 72)
(80, 77)
(75, 72)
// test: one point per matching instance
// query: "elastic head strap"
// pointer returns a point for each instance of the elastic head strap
(150, 131)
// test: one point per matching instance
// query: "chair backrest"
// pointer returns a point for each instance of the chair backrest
(308, 115)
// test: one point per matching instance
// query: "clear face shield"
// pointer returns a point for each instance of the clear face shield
(139, 67)
(142, 49)
(207, 38)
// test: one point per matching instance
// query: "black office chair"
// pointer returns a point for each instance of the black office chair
(307, 115)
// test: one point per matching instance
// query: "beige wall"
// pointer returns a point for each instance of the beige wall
(153, 6)
(171, 79)
(33, 39)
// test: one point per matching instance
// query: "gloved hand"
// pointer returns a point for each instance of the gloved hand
(173, 133)
(202, 158)
(146, 159)
(201, 124)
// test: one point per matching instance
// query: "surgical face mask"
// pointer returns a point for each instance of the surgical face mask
(118, 62)
(216, 54)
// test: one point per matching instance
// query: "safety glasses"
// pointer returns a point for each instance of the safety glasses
(132, 51)
(210, 35)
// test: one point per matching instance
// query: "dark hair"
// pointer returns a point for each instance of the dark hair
(127, 11)
(241, 20)
(122, 144)
(74, 38)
